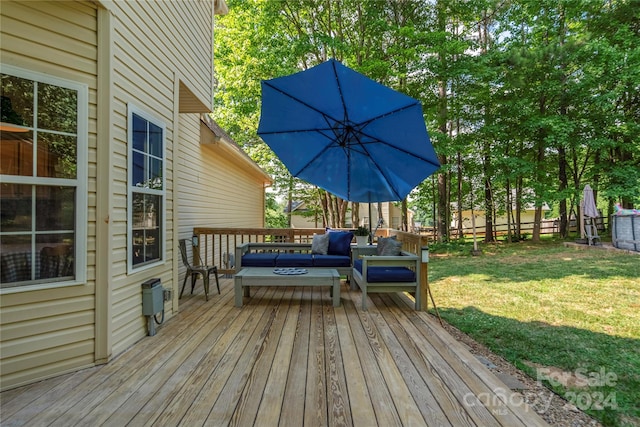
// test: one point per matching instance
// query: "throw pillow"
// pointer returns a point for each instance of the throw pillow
(382, 242)
(339, 242)
(320, 244)
(392, 248)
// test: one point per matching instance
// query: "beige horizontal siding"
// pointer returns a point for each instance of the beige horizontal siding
(50, 331)
(154, 44)
(45, 364)
(57, 38)
(233, 194)
(44, 325)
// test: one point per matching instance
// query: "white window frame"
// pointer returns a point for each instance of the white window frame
(131, 268)
(80, 182)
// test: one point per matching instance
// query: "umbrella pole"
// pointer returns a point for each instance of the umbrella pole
(370, 232)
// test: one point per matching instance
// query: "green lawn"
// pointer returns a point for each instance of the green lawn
(557, 313)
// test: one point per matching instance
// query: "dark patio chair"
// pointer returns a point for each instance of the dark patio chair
(197, 270)
(56, 261)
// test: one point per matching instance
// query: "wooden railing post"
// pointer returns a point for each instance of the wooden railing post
(424, 272)
(424, 282)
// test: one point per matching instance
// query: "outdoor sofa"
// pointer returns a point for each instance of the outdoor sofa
(302, 255)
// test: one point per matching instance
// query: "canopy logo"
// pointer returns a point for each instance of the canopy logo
(583, 386)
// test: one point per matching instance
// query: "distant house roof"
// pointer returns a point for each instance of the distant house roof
(296, 205)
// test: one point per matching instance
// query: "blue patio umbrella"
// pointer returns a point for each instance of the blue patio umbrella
(336, 128)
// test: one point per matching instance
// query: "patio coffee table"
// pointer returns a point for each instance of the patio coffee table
(262, 276)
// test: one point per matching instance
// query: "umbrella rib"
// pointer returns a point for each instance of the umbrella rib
(375, 140)
(298, 100)
(386, 178)
(344, 105)
(388, 113)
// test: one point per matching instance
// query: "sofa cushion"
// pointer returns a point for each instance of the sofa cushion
(320, 244)
(331, 261)
(294, 260)
(339, 242)
(267, 259)
(378, 274)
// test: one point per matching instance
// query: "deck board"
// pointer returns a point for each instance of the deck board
(288, 358)
(297, 378)
(438, 402)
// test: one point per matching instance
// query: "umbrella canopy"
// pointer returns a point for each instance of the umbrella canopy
(340, 130)
(589, 203)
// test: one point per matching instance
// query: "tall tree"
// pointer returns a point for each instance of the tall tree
(526, 101)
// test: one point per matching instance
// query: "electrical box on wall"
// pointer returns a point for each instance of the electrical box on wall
(152, 297)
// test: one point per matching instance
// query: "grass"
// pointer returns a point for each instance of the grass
(566, 316)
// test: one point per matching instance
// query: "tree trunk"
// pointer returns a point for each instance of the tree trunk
(289, 201)
(519, 206)
(483, 32)
(562, 152)
(538, 212)
(537, 220)
(442, 226)
(355, 214)
(442, 114)
(459, 201)
(509, 211)
(405, 215)
(540, 145)
(343, 206)
(488, 198)
(562, 177)
(324, 208)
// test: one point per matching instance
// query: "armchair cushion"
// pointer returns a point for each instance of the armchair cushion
(382, 274)
(392, 248)
(382, 243)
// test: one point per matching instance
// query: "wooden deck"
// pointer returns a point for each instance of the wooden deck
(288, 358)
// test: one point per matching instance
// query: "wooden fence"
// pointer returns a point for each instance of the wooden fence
(548, 226)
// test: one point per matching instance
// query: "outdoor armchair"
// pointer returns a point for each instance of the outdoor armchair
(379, 273)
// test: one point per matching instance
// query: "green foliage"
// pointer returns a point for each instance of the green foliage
(523, 95)
(361, 231)
(274, 213)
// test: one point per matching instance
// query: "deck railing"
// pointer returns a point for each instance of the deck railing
(216, 246)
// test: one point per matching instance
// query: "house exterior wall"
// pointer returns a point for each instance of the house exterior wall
(156, 56)
(299, 221)
(157, 50)
(217, 187)
(391, 213)
(527, 217)
(49, 330)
